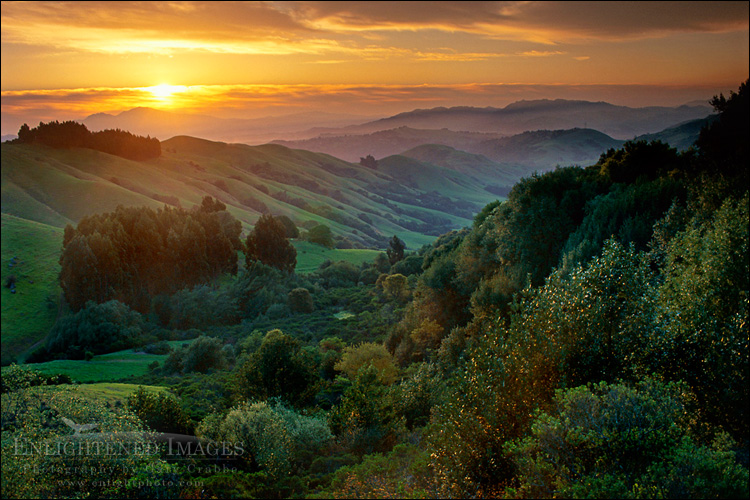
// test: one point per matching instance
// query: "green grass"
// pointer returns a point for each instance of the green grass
(310, 255)
(119, 365)
(109, 392)
(28, 314)
(344, 315)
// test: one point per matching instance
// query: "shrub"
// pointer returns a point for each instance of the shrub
(627, 442)
(204, 353)
(274, 436)
(368, 354)
(159, 411)
(300, 301)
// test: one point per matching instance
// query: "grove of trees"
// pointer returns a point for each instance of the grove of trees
(70, 134)
(134, 254)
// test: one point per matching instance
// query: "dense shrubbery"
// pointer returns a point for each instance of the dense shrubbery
(669, 303)
(276, 439)
(617, 441)
(99, 328)
(159, 411)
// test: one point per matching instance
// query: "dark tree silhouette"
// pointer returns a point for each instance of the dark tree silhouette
(395, 250)
(289, 226)
(267, 243)
(322, 235)
(72, 134)
(368, 161)
(724, 142)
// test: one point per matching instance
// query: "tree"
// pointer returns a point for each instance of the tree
(280, 367)
(381, 263)
(204, 354)
(368, 354)
(160, 411)
(704, 311)
(395, 250)
(136, 253)
(208, 205)
(396, 286)
(267, 243)
(273, 436)
(724, 142)
(368, 161)
(71, 134)
(322, 235)
(289, 226)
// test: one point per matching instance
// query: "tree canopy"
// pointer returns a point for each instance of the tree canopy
(268, 243)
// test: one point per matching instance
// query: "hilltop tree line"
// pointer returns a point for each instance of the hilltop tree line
(71, 134)
(586, 337)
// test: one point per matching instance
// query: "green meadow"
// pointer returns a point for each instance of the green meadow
(120, 365)
(311, 255)
(30, 255)
(111, 393)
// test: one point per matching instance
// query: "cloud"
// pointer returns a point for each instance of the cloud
(543, 53)
(633, 20)
(159, 27)
(535, 21)
(319, 27)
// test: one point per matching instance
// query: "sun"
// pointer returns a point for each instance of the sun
(164, 91)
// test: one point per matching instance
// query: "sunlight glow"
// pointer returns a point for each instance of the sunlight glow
(164, 91)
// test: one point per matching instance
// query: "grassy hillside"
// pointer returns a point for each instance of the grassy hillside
(543, 149)
(681, 136)
(30, 253)
(57, 187)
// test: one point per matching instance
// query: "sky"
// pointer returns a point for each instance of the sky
(67, 60)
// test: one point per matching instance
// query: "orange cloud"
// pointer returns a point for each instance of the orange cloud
(312, 27)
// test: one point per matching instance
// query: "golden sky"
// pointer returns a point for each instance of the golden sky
(66, 60)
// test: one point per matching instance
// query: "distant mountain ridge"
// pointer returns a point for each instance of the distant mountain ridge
(388, 142)
(428, 180)
(528, 151)
(619, 122)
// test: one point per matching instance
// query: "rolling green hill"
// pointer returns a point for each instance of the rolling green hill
(467, 163)
(681, 136)
(30, 254)
(57, 187)
(543, 149)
